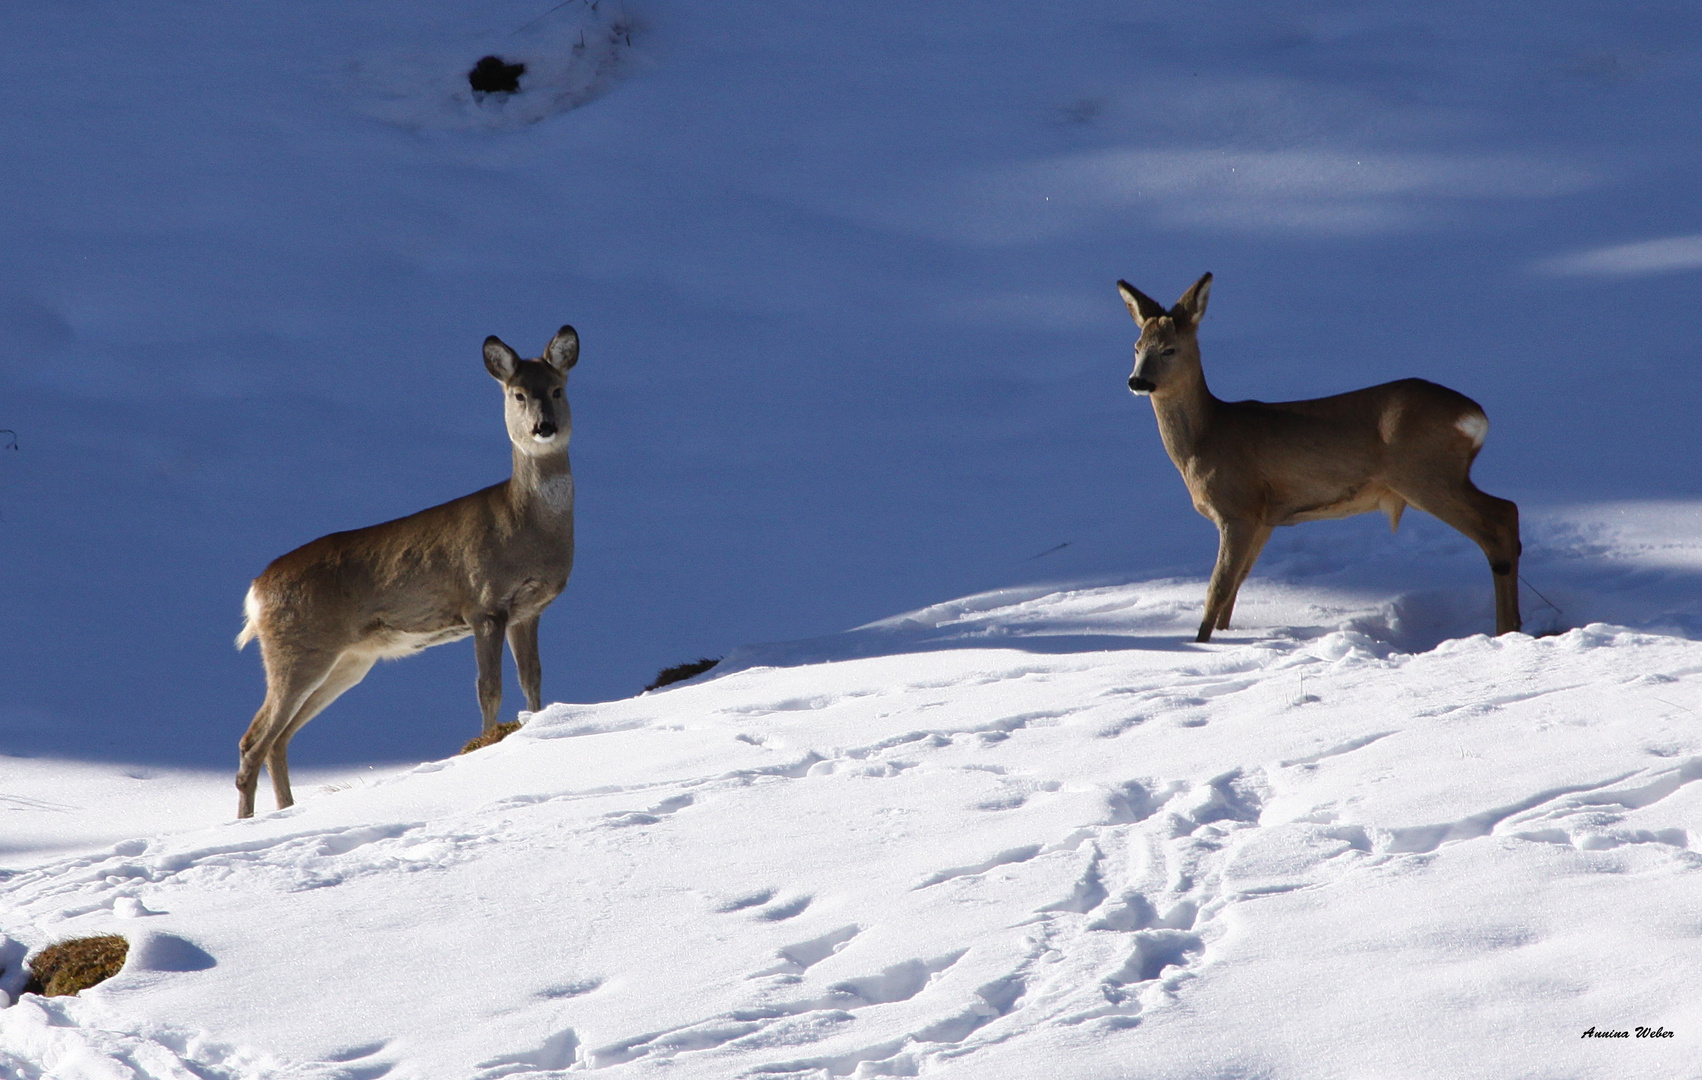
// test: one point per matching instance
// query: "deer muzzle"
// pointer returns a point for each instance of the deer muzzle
(1141, 386)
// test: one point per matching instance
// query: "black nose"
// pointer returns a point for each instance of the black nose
(544, 429)
(1141, 386)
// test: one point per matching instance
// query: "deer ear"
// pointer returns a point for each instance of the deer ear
(1143, 307)
(563, 350)
(1192, 307)
(501, 361)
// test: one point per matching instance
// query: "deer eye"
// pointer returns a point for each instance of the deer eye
(1168, 352)
(519, 395)
(556, 392)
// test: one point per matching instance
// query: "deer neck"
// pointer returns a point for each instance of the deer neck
(542, 484)
(1185, 413)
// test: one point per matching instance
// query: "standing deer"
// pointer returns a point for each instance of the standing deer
(486, 564)
(1253, 465)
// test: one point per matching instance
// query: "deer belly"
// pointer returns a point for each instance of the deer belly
(1363, 501)
(389, 644)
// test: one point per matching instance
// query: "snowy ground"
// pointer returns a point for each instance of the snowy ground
(1033, 832)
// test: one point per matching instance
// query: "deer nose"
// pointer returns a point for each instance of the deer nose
(1141, 386)
(544, 429)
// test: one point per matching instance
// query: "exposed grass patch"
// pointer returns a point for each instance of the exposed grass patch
(76, 965)
(681, 672)
(491, 738)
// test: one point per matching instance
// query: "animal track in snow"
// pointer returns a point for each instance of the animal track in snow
(1337, 750)
(1229, 797)
(670, 805)
(1134, 801)
(1607, 839)
(1230, 686)
(796, 959)
(1088, 891)
(1003, 858)
(558, 1051)
(1120, 725)
(566, 729)
(1154, 951)
(801, 704)
(1133, 911)
(786, 909)
(566, 990)
(894, 983)
(363, 1062)
(1425, 838)
(1143, 928)
(748, 900)
(1492, 703)
(293, 862)
(1186, 852)
(343, 841)
(356, 1053)
(1587, 819)
(995, 731)
(897, 982)
(23, 802)
(994, 999)
(1664, 784)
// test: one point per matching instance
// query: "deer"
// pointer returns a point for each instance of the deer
(485, 565)
(1251, 466)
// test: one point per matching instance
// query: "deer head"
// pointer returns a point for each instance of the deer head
(536, 411)
(1167, 356)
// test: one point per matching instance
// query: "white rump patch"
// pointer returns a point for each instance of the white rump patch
(1474, 426)
(250, 620)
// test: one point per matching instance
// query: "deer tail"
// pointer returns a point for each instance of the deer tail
(250, 620)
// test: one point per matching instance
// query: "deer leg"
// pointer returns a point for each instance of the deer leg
(1235, 544)
(1491, 523)
(1260, 537)
(487, 644)
(1503, 549)
(289, 684)
(523, 643)
(349, 669)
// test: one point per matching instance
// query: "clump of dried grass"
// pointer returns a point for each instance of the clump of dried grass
(491, 738)
(70, 966)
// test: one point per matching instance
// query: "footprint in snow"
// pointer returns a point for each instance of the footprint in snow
(566, 990)
(356, 1053)
(748, 900)
(623, 818)
(786, 909)
(797, 959)
(556, 1052)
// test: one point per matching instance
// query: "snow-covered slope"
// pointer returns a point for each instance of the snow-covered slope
(1024, 833)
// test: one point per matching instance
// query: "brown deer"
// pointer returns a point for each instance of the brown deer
(486, 565)
(1253, 465)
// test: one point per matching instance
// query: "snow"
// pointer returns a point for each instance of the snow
(844, 275)
(1030, 828)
